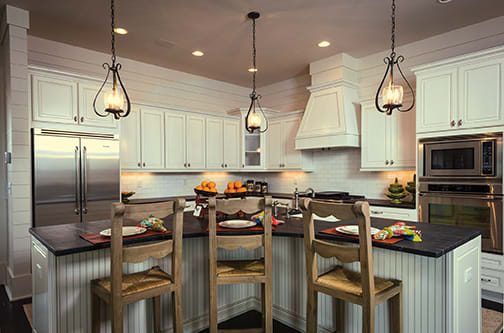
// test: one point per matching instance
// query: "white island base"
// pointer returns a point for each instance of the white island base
(440, 294)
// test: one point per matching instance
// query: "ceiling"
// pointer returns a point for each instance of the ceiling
(165, 32)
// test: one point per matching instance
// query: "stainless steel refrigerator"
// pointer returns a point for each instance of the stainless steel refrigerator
(76, 176)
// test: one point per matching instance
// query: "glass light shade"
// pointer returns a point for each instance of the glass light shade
(114, 99)
(253, 120)
(392, 95)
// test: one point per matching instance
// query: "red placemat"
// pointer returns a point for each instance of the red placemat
(333, 231)
(99, 239)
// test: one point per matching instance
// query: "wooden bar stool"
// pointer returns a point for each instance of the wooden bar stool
(359, 288)
(244, 271)
(120, 289)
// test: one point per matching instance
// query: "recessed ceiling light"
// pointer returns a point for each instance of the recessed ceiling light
(324, 43)
(443, 1)
(120, 31)
(198, 53)
(252, 69)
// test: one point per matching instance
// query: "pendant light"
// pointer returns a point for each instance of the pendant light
(116, 96)
(392, 94)
(255, 113)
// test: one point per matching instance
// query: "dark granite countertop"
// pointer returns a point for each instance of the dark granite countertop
(438, 239)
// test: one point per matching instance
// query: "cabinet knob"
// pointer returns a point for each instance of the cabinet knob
(185, 165)
(243, 165)
(225, 165)
(81, 119)
(143, 163)
(386, 162)
(75, 118)
(452, 123)
(139, 164)
(222, 165)
(391, 162)
(188, 165)
(460, 122)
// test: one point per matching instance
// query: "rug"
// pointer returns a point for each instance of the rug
(491, 321)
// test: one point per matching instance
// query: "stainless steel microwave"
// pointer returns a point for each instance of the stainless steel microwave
(471, 156)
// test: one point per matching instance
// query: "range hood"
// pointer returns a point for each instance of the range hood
(332, 115)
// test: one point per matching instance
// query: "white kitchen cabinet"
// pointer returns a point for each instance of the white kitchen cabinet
(231, 144)
(464, 92)
(131, 157)
(87, 116)
(196, 142)
(152, 138)
(175, 140)
(492, 272)
(54, 99)
(281, 146)
(214, 143)
(394, 213)
(388, 142)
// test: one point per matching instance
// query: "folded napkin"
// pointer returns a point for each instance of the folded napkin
(259, 218)
(400, 229)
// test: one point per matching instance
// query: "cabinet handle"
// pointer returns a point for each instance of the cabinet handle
(75, 118)
(376, 212)
(391, 162)
(139, 164)
(386, 162)
(460, 122)
(452, 124)
(143, 163)
(81, 119)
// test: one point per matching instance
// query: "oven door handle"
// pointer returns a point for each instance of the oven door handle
(461, 196)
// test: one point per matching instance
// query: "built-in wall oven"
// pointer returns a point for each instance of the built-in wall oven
(460, 184)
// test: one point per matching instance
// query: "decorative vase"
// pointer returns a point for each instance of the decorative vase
(396, 192)
(411, 188)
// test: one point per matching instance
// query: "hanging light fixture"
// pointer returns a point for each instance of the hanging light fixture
(255, 112)
(392, 94)
(115, 98)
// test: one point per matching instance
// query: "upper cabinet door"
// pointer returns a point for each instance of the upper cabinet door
(274, 148)
(152, 134)
(175, 140)
(375, 138)
(196, 138)
(87, 116)
(437, 101)
(130, 141)
(403, 140)
(481, 91)
(231, 144)
(54, 99)
(292, 157)
(214, 143)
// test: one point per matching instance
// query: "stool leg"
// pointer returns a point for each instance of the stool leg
(268, 306)
(178, 319)
(396, 313)
(263, 305)
(117, 316)
(156, 302)
(311, 310)
(340, 315)
(213, 306)
(95, 313)
(368, 318)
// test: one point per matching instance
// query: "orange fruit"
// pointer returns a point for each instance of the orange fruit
(206, 188)
(237, 184)
(204, 183)
(230, 185)
(213, 189)
(241, 190)
(199, 187)
(211, 184)
(232, 190)
(226, 190)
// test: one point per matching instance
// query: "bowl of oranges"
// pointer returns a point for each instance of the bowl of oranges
(235, 190)
(206, 188)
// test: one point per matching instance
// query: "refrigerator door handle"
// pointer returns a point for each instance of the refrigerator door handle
(84, 180)
(77, 192)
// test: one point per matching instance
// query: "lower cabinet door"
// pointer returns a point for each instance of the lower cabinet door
(152, 134)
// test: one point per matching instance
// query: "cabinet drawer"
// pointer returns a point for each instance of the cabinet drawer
(492, 280)
(394, 213)
(492, 261)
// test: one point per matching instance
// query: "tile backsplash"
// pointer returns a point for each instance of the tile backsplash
(336, 169)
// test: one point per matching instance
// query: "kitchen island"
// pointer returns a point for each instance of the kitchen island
(441, 278)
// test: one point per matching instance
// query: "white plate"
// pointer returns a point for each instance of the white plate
(127, 231)
(354, 230)
(237, 224)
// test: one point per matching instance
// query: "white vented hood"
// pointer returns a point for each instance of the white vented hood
(332, 115)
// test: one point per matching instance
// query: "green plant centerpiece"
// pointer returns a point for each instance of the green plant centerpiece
(411, 188)
(396, 192)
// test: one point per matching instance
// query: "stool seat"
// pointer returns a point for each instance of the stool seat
(138, 282)
(350, 281)
(240, 268)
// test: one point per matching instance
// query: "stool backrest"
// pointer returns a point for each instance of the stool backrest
(248, 242)
(363, 253)
(136, 254)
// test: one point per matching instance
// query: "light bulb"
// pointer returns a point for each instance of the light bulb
(392, 95)
(253, 120)
(114, 99)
